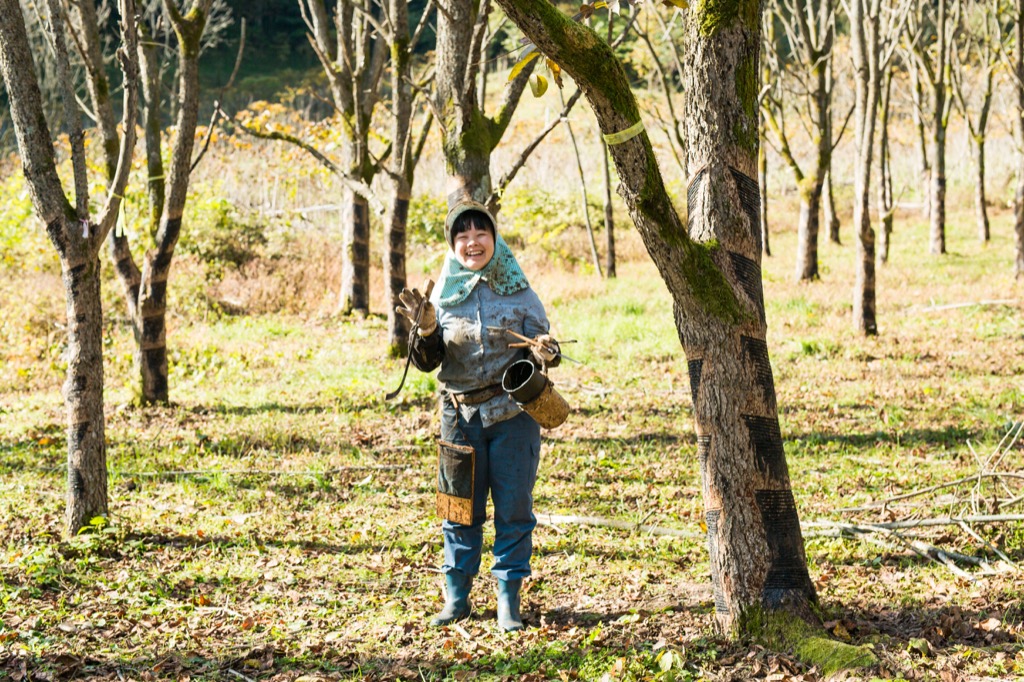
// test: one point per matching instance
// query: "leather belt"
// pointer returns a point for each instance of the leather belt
(480, 395)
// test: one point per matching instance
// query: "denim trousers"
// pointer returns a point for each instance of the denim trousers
(507, 454)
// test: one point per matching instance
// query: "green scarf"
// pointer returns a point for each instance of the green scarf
(502, 274)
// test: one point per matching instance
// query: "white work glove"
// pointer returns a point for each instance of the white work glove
(547, 350)
(413, 301)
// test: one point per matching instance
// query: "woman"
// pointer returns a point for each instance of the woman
(481, 293)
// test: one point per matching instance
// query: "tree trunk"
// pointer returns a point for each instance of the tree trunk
(1018, 128)
(712, 270)
(77, 245)
(762, 187)
(609, 216)
(401, 174)
(864, 39)
(924, 167)
(394, 268)
(885, 198)
(831, 217)
(355, 266)
(83, 394)
(807, 230)
(86, 27)
(980, 202)
(938, 193)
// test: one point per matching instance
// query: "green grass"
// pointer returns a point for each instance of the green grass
(307, 542)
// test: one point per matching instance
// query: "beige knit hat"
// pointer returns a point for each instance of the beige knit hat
(465, 206)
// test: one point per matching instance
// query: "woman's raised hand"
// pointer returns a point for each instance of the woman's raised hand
(418, 309)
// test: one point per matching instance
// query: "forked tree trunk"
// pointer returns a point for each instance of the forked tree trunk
(712, 270)
(468, 134)
(77, 241)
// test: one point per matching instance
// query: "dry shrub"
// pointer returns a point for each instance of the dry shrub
(299, 276)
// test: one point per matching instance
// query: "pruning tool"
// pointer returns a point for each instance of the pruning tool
(527, 342)
(415, 328)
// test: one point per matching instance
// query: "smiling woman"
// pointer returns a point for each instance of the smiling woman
(488, 444)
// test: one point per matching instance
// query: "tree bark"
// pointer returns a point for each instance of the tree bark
(885, 198)
(864, 28)
(937, 231)
(1018, 127)
(831, 217)
(609, 216)
(77, 243)
(762, 186)
(980, 201)
(468, 134)
(924, 168)
(712, 270)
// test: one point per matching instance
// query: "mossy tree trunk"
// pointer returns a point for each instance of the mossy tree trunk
(468, 134)
(712, 270)
(76, 237)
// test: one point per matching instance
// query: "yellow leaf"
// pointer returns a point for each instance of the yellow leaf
(528, 56)
(703, 526)
(538, 84)
(681, 4)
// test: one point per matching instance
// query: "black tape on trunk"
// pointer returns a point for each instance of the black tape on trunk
(694, 367)
(750, 200)
(766, 441)
(755, 353)
(711, 519)
(787, 570)
(748, 274)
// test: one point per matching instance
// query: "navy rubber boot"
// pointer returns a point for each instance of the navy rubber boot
(456, 606)
(509, 619)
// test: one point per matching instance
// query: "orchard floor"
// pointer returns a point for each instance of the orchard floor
(275, 522)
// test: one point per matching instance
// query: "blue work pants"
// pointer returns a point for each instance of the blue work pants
(507, 454)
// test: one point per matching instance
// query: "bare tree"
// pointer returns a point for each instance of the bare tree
(873, 29)
(981, 50)
(931, 31)
(76, 235)
(405, 155)
(712, 270)
(809, 28)
(353, 58)
(468, 134)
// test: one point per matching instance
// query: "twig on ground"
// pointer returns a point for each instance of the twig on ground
(240, 675)
(882, 504)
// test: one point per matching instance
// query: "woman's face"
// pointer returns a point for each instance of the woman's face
(474, 248)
